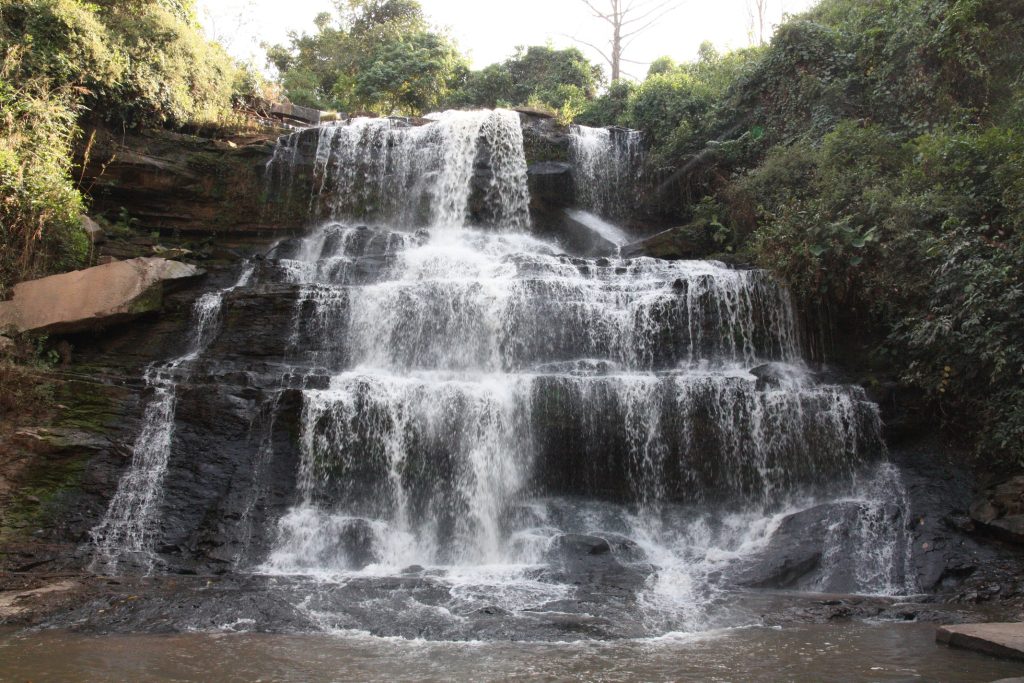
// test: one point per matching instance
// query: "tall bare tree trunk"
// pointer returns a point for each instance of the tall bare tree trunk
(616, 52)
(758, 10)
(628, 19)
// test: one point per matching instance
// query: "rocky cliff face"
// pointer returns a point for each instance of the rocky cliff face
(186, 185)
(181, 184)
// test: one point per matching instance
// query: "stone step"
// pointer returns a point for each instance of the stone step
(999, 640)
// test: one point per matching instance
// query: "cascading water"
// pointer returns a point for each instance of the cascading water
(606, 167)
(390, 171)
(497, 427)
(126, 531)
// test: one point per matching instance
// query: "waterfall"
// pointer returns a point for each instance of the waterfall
(471, 406)
(126, 531)
(606, 168)
(472, 371)
(390, 171)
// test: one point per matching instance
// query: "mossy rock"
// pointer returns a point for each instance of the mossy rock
(691, 241)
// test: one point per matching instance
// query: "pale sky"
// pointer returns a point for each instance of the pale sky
(489, 30)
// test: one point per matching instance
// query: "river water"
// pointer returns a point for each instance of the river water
(848, 652)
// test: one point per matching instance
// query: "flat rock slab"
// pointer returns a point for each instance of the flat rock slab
(91, 298)
(999, 640)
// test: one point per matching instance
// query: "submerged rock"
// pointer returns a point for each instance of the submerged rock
(588, 562)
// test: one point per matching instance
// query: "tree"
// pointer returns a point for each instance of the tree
(757, 9)
(377, 55)
(628, 19)
(538, 73)
(409, 74)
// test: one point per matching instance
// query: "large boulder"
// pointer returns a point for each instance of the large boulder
(91, 298)
(1000, 511)
(795, 555)
(96, 234)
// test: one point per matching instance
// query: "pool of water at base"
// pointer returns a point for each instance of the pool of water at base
(836, 652)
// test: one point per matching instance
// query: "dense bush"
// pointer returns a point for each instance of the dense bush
(40, 229)
(891, 197)
(140, 62)
(172, 74)
(136, 63)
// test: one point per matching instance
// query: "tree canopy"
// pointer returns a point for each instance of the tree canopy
(563, 80)
(370, 55)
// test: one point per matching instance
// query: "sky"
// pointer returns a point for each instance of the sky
(489, 30)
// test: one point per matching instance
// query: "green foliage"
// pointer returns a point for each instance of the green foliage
(562, 80)
(677, 106)
(141, 62)
(873, 156)
(26, 389)
(921, 243)
(407, 74)
(173, 75)
(40, 229)
(63, 41)
(966, 341)
(138, 63)
(374, 55)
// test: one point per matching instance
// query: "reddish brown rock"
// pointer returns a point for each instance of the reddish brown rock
(91, 298)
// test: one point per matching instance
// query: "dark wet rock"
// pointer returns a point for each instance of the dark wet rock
(579, 239)
(177, 183)
(793, 553)
(588, 561)
(356, 540)
(571, 548)
(687, 242)
(948, 556)
(566, 465)
(625, 550)
(772, 375)
(551, 182)
(1000, 510)
(544, 140)
(230, 474)
(187, 603)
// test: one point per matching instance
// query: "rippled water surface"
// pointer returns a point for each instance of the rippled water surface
(848, 652)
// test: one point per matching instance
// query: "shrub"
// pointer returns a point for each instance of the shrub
(136, 63)
(40, 229)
